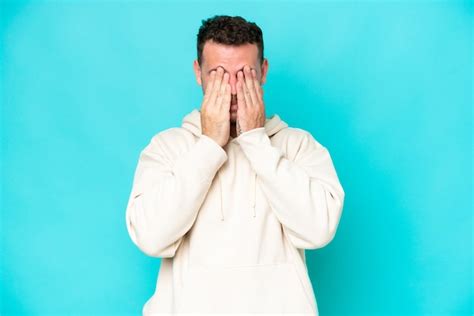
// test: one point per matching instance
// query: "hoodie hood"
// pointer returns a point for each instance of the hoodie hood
(273, 124)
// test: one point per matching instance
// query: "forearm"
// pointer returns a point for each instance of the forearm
(166, 201)
(306, 197)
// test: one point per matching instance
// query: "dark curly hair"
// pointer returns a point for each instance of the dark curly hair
(229, 30)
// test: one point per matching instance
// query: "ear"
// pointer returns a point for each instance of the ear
(264, 71)
(197, 72)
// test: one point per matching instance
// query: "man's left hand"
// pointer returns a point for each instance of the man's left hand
(250, 106)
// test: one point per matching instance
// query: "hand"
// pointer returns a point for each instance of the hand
(215, 115)
(251, 109)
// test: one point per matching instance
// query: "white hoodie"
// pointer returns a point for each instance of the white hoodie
(232, 223)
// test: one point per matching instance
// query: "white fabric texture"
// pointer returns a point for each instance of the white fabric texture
(232, 223)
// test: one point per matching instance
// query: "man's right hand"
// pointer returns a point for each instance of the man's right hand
(215, 115)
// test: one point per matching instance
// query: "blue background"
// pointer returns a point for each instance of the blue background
(385, 86)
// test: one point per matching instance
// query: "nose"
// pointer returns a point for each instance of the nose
(233, 84)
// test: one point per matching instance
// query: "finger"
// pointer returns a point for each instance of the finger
(250, 86)
(219, 77)
(227, 95)
(209, 86)
(216, 86)
(256, 84)
(240, 91)
(248, 99)
(221, 92)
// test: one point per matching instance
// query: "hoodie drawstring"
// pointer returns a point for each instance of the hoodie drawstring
(253, 193)
(220, 196)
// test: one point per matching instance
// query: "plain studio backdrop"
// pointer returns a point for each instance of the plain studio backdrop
(386, 86)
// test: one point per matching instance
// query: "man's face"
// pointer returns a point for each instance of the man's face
(232, 59)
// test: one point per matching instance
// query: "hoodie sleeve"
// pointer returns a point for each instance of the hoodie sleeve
(304, 193)
(168, 190)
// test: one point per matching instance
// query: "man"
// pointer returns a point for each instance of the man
(231, 199)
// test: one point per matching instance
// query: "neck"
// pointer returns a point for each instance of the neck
(233, 129)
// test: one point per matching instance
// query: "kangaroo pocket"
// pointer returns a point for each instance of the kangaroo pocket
(255, 288)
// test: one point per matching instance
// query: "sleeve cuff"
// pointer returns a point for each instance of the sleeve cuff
(209, 156)
(254, 136)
